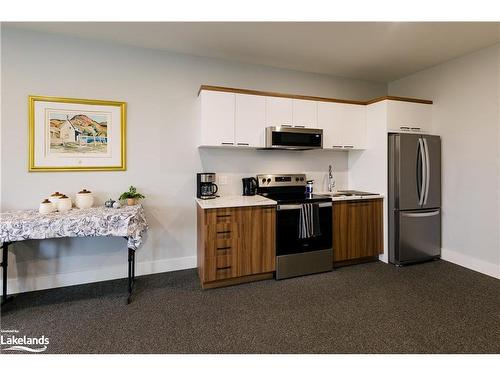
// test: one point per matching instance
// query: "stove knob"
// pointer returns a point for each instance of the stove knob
(263, 180)
(296, 179)
(302, 179)
(268, 180)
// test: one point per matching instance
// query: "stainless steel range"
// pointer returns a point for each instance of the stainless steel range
(303, 225)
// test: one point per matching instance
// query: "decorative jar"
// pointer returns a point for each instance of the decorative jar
(64, 204)
(46, 207)
(84, 199)
(55, 197)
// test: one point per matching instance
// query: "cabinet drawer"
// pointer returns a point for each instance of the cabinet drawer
(224, 231)
(221, 239)
(220, 267)
(220, 216)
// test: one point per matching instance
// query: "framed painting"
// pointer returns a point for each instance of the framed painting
(67, 134)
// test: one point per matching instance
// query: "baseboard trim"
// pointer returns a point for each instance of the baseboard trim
(30, 284)
(16, 286)
(487, 268)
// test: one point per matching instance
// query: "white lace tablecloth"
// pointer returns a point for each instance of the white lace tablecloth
(127, 221)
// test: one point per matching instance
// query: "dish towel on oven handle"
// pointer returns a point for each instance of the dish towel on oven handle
(309, 225)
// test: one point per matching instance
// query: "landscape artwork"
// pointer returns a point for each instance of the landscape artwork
(71, 134)
(78, 132)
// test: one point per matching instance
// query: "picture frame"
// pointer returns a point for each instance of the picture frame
(70, 134)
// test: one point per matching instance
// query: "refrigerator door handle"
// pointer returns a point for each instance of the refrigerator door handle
(421, 214)
(427, 170)
(423, 173)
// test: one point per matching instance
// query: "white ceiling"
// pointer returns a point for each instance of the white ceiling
(374, 51)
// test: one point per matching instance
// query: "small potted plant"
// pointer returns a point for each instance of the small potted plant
(131, 196)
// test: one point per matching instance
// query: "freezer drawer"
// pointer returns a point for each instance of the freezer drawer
(418, 235)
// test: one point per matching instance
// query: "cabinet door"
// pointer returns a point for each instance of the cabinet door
(407, 116)
(257, 226)
(357, 229)
(365, 220)
(265, 253)
(278, 111)
(354, 126)
(329, 119)
(217, 118)
(250, 120)
(341, 234)
(305, 113)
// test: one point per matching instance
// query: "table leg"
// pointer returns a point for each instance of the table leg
(131, 273)
(4, 264)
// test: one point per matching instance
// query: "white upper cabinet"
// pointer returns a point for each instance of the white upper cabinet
(354, 126)
(279, 111)
(305, 113)
(408, 116)
(217, 118)
(329, 119)
(239, 120)
(250, 120)
(344, 125)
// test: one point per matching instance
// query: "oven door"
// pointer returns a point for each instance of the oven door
(287, 230)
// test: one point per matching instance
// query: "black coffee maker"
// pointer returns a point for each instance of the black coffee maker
(205, 186)
(249, 185)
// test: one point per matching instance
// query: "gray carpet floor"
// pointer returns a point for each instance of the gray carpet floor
(434, 307)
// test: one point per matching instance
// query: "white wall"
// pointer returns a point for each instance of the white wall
(160, 89)
(466, 115)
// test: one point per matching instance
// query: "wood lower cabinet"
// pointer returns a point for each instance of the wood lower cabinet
(357, 231)
(236, 244)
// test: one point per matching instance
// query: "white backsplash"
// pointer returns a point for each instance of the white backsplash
(232, 165)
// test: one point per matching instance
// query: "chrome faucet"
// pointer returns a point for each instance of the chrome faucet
(331, 180)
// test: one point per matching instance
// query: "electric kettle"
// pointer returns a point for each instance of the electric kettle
(249, 185)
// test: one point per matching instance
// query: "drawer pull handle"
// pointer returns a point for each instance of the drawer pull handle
(223, 268)
(224, 232)
(224, 248)
(227, 143)
(223, 215)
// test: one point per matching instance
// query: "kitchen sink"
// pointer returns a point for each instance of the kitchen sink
(337, 194)
(348, 193)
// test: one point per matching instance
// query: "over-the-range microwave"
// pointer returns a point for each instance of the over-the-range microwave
(293, 138)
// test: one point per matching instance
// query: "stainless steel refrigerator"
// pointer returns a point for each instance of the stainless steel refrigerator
(414, 198)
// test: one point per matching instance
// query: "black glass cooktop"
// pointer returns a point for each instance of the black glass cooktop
(295, 198)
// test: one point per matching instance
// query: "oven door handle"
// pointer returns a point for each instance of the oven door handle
(283, 207)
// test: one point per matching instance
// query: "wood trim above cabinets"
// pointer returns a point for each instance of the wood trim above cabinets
(315, 98)
(278, 95)
(400, 99)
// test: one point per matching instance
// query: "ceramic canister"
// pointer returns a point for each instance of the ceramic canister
(46, 207)
(84, 199)
(64, 204)
(55, 197)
